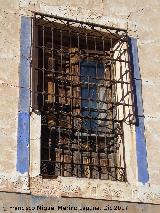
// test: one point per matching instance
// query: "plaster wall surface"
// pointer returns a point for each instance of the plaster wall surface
(140, 18)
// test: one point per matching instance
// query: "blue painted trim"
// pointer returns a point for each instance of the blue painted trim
(24, 77)
(143, 175)
(24, 97)
(23, 142)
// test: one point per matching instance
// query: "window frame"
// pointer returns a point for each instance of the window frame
(74, 20)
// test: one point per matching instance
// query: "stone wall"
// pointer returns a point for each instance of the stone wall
(11, 203)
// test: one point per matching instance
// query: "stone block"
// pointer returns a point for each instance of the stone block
(152, 133)
(151, 102)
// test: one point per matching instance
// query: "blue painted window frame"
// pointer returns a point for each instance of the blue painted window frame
(23, 134)
(141, 150)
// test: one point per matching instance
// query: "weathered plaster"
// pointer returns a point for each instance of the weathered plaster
(35, 124)
(97, 189)
(14, 183)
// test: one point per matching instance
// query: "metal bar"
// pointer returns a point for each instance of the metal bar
(79, 22)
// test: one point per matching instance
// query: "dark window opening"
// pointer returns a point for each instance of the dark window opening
(82, 96)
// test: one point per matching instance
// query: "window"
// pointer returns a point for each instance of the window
(82, 88)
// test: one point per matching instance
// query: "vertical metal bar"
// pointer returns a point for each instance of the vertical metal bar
(87, 45)
(95, 44)
(43, 68)
(49, 151)
(61, 49)
(32, 69)
(124, 160)
(114, 155)
(53, 71)
(105, 104)
(103, 44)
(89, 104)
(131, 83)
(79, 102)
(53, 153)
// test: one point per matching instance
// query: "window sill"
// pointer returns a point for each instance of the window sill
(93, 188)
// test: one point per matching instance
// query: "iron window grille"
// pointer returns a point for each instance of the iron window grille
(82, 88)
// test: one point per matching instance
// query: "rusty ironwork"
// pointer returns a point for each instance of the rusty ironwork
(82, 88)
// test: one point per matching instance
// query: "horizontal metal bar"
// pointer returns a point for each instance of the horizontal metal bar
(77, 21)
(85, 164)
